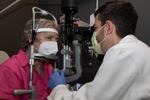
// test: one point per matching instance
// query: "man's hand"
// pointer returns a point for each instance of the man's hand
(56, 78)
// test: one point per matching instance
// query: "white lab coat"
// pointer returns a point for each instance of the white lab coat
(123, 75)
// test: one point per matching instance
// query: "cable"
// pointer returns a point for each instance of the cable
(9, 6)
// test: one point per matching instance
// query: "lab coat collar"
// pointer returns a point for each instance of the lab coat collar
(128, 38)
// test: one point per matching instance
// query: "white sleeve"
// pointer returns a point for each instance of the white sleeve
(115, 76)
(61, 92)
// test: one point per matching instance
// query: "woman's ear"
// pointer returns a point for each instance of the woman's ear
(30, 41)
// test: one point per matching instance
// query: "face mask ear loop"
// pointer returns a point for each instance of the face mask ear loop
(105, 37)
(100, 29)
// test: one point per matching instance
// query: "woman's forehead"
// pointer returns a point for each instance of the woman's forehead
(47, 34)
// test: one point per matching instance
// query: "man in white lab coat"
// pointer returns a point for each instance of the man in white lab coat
(125, 71)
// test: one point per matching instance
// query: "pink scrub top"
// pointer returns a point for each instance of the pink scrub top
(14, 74)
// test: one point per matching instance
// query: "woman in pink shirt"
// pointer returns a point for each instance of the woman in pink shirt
(14, 73)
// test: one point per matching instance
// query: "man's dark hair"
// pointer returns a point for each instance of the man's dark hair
(121, 13)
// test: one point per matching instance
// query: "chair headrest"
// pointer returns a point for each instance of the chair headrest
(3, 56)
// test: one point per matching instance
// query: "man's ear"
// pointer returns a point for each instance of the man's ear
(110, 27)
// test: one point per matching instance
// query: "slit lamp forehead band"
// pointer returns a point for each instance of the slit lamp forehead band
(46, 30)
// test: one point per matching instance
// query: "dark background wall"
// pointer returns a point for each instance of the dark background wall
(12, 21)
